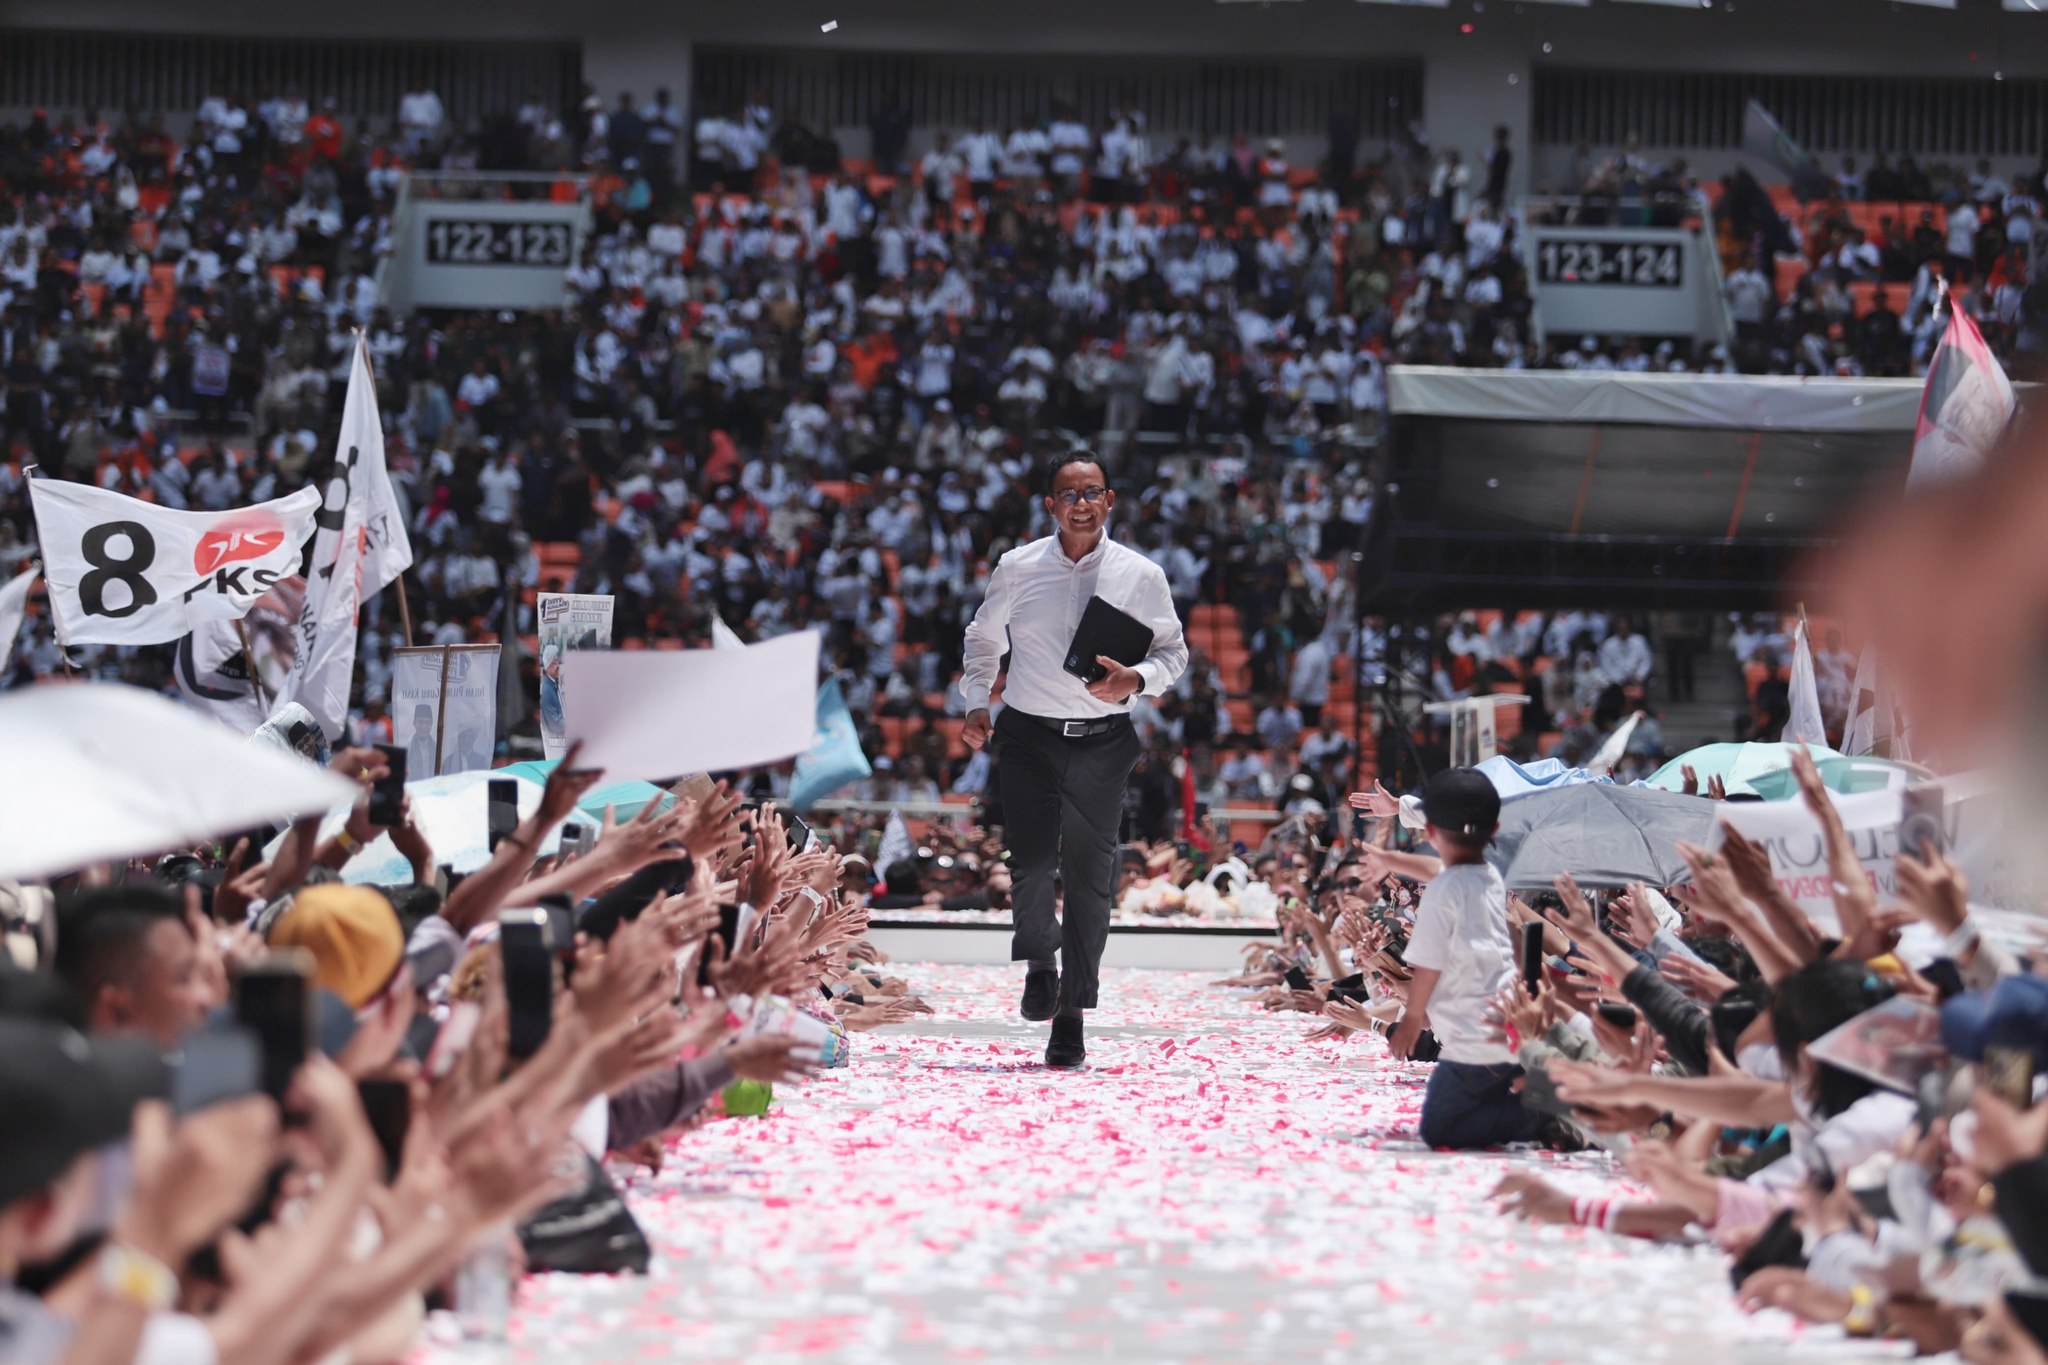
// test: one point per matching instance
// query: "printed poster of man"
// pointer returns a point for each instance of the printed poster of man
(447, 695)
(567, 621)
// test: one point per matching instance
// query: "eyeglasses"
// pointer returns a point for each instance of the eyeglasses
(1069, 496)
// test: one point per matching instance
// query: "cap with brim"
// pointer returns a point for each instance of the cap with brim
(1461, 801)
(2012, 1014)
(353, 934)
(65, 1094)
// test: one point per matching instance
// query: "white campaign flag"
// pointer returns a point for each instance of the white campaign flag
(1964, 408)
(214, 675)
(1873, 725)
(896, 844)
(724, 636)
(121, 571)
(232, 669)
(1804, 724)
(1616, 747)
(361, 545)
(13, 607)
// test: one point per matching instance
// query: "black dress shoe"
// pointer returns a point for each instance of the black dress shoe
(1041, 994)
(1066, 1051)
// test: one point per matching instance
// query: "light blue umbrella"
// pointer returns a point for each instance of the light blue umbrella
(1512, 779)
(1737, 765)
(625, 798)
(453, 813)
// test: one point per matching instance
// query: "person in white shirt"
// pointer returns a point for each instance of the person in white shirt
(981, 152)
(939, 169)
(1070, 143)
(1962, 239)
(479, 387)
(1279, 724)
(1625, 656)
(1068, 747)
(1025, 154)
(498, 486)
(1751, 299)
(1308, 683)
(1461, 956)
(420, 117)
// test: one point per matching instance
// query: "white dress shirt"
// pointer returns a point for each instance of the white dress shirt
(1035, 599)
(1625, 661)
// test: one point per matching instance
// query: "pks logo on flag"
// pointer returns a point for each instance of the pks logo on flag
(249, 534)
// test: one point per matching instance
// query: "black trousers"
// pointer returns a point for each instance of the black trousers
(1063, 803)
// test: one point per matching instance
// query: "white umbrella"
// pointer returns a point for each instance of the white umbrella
(453, 813)
(99, 771)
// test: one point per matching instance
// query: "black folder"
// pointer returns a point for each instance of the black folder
(1107, 631)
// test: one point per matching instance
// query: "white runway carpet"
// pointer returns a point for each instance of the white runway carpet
(1210, 1189)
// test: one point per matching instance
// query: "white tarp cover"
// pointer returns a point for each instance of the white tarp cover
(99, 771)
(1738, 402)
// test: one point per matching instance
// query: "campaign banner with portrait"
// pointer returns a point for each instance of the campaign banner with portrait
(568, 621)
(444, 708)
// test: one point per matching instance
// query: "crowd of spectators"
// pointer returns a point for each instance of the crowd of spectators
(1687, 1031)
(1849, 280)
(821, 402)
(260, 1114)
(795, 390)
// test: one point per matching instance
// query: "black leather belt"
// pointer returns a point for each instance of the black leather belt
(1079, 729)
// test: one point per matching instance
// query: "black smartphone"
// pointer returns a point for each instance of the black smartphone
(2009, 1073)
(1532, 956)
(1921, 830)
(503, 811)
(213, 1066)
(387, 795)
(561, 913)
(388, 1104)
(1619, 1015)
(274, 1001)
(529, 980)
(727, 933)
(801, 835)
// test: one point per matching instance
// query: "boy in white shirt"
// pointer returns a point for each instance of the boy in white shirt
(1462, 955)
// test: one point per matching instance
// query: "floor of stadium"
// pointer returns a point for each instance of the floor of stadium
(1210, 1188)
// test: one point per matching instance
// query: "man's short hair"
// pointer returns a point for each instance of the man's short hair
(1078, 455)
(101, 934)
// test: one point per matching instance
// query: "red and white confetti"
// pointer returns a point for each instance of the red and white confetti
(1210, 1188)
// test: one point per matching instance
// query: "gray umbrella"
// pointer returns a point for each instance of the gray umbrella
(1602, 835)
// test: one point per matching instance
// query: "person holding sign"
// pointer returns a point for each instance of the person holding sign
(1067, 742)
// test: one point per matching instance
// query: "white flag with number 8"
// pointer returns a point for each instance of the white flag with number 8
(121, 571)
